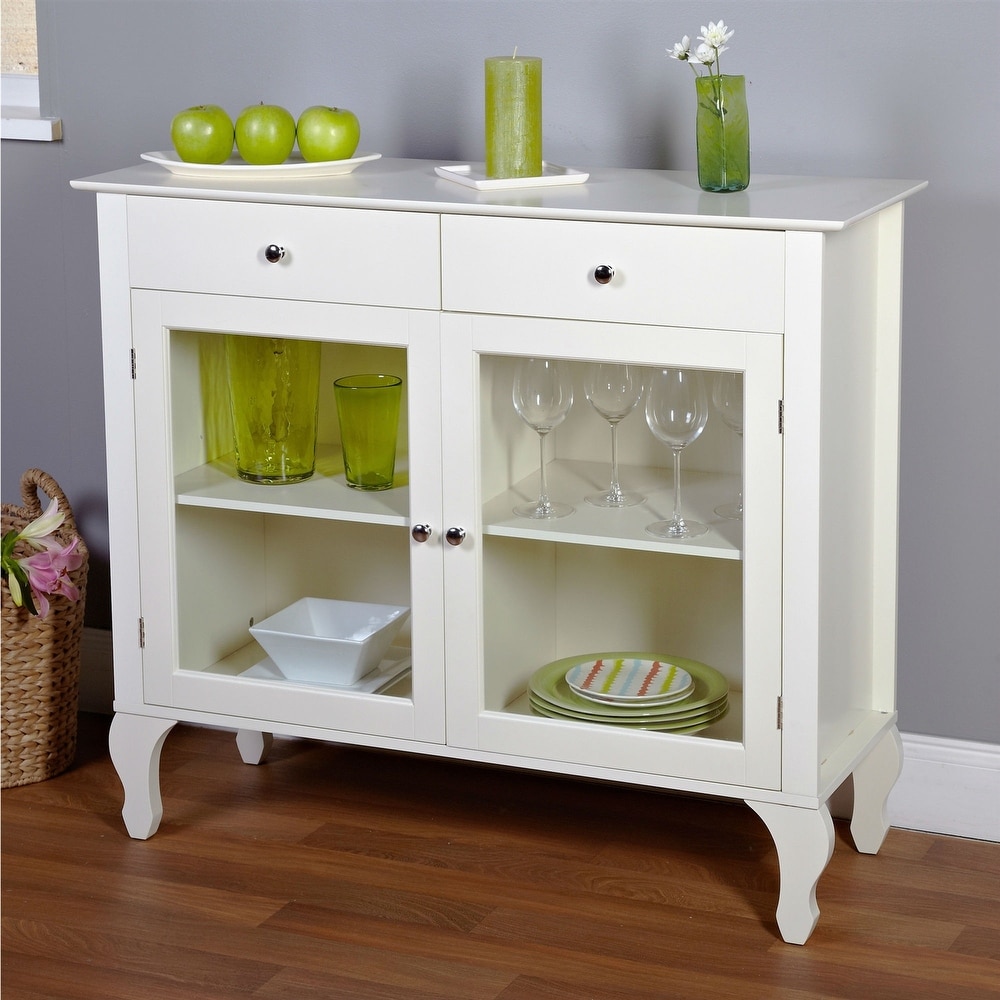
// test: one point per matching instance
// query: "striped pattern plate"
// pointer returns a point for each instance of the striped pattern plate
(630, 680)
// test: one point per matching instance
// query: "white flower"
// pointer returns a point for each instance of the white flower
(681, 49)
(713, 43)
(704, 54)
(716, 35)
(35, 533)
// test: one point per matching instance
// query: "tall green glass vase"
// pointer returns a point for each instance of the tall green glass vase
(274, 399)
(723, 133)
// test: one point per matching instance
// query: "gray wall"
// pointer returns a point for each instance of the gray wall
(864, 88)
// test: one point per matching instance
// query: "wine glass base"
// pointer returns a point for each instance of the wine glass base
(675, 531)
(543, 512)
(615, 500)
(733, 511)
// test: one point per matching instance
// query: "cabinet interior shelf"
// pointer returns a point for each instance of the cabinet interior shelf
(572, 481)
(237, 663)
(324, 495)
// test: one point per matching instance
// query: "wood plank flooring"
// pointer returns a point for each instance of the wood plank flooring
(332, 872)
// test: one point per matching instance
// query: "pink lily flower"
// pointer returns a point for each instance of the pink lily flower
(48, 573)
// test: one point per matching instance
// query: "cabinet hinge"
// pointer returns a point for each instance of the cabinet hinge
(142, 634)
(781, 416)
(132, 352)
(780, 714)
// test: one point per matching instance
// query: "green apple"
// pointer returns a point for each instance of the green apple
(202, 134)
(327, 133)
(265, 133)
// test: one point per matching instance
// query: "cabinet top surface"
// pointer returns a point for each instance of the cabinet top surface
(658, 197)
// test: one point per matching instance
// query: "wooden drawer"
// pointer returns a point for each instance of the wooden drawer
(724, 279)
(331, 254)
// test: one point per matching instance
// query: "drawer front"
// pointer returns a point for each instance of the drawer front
(330, 254)
(723, 279)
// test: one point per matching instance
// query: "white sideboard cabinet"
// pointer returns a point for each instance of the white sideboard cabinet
(792, 287)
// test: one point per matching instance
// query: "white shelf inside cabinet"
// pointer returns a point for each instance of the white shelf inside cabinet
(571, 482)
(237, 663)
(324, 495)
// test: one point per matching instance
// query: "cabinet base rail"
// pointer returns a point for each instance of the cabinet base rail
(803, 836)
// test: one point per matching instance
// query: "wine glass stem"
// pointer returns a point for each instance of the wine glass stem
(543, 489)
(615, 491)
(677, 486)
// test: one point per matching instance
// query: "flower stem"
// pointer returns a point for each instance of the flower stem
(720, 105)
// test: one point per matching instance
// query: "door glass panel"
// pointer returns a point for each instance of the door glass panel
(596, 581)
(245, 551)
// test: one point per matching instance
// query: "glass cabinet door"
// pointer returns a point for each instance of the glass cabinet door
(580, 618)
(219, 554)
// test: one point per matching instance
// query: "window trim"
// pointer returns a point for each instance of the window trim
(20, 117)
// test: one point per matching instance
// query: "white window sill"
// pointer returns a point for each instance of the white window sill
(26, 123)
(19, 115)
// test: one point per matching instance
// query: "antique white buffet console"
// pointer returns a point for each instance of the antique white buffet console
(794, 285)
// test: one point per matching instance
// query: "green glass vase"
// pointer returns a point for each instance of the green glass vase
(274, 399)
(723, 133)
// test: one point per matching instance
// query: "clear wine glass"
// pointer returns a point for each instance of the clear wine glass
(676, 412)
(614, 390)
(727, 397)
(543, 395)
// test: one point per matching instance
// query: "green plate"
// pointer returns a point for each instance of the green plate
(680, 727)
(634, 718)
(548, 686)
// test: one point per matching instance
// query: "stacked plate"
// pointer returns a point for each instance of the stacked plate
(638, 690)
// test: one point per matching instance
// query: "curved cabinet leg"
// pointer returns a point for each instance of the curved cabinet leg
(253, 746)
(135, 743)
(873, 781)
(804, 839)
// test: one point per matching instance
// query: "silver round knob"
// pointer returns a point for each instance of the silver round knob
(421, 532)
(455, 536)
(273, 253)
(603, 273)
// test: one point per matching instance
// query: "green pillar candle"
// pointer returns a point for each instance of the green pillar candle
(513, 116)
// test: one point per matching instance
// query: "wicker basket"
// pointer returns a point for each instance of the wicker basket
(40, 660)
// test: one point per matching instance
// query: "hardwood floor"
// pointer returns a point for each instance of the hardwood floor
(331, 873)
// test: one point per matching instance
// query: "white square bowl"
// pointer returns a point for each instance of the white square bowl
(330, 642)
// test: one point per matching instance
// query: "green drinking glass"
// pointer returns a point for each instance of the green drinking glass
(368, 411)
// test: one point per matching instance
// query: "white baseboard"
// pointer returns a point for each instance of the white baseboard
(947, 786)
